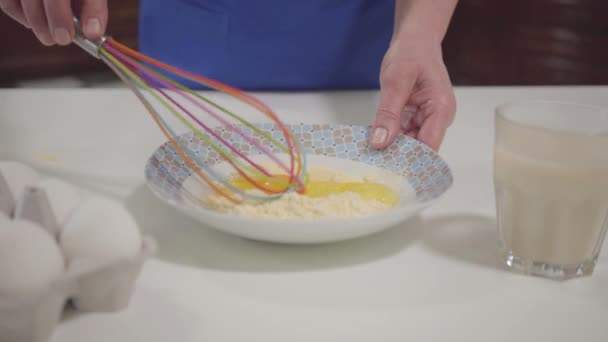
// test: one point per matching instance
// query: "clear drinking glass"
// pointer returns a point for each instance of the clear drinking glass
(551, 183)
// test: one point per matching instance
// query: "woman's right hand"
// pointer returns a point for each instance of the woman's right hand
(52, 20)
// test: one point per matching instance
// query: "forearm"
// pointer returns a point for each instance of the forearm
(428, 18)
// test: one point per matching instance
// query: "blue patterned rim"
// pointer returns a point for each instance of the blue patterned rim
(425, 171)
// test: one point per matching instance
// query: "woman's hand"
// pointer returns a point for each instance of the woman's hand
(52, 20)
(416, 95)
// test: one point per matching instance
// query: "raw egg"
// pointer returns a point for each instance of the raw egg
(323, 186)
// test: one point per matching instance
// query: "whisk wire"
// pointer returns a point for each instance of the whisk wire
(293, 148)
(230, 158)
(173, 85)
(127, 64)
(129, 78)
(133, 77)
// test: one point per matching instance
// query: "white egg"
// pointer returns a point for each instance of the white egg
(63, 197)
(30, 259)
(101, 229)
(18, 176)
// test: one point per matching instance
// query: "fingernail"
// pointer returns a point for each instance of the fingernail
(45, 38)
(93, 27)
(379, 136)
(62, 36)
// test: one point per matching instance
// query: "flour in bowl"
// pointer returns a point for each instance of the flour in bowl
(329, 194)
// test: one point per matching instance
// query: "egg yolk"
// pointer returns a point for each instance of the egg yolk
(322, 188)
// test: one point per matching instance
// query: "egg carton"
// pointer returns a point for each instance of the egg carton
(86, 284)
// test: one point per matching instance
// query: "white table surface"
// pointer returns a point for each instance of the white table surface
(433, 279)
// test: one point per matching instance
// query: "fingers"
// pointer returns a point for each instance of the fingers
(432, 131)
(59, 16)
(407, 115)
(94, 18)
(435, 118)
(395, 90)
(51, 20)
(13, 9)
(36, 17)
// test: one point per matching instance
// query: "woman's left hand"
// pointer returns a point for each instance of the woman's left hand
(416, 96)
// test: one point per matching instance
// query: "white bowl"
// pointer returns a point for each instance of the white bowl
(414, 170)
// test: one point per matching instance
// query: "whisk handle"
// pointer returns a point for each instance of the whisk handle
(88, 45)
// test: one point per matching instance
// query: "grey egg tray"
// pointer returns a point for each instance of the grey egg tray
(87, 285)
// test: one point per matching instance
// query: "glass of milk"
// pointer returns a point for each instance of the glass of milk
(551, 184)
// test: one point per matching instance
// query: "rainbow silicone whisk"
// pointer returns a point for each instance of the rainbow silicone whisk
(169, 102)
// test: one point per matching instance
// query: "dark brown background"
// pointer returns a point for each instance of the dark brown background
(490, 42)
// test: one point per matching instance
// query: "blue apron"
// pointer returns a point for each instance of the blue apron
(271, 44)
